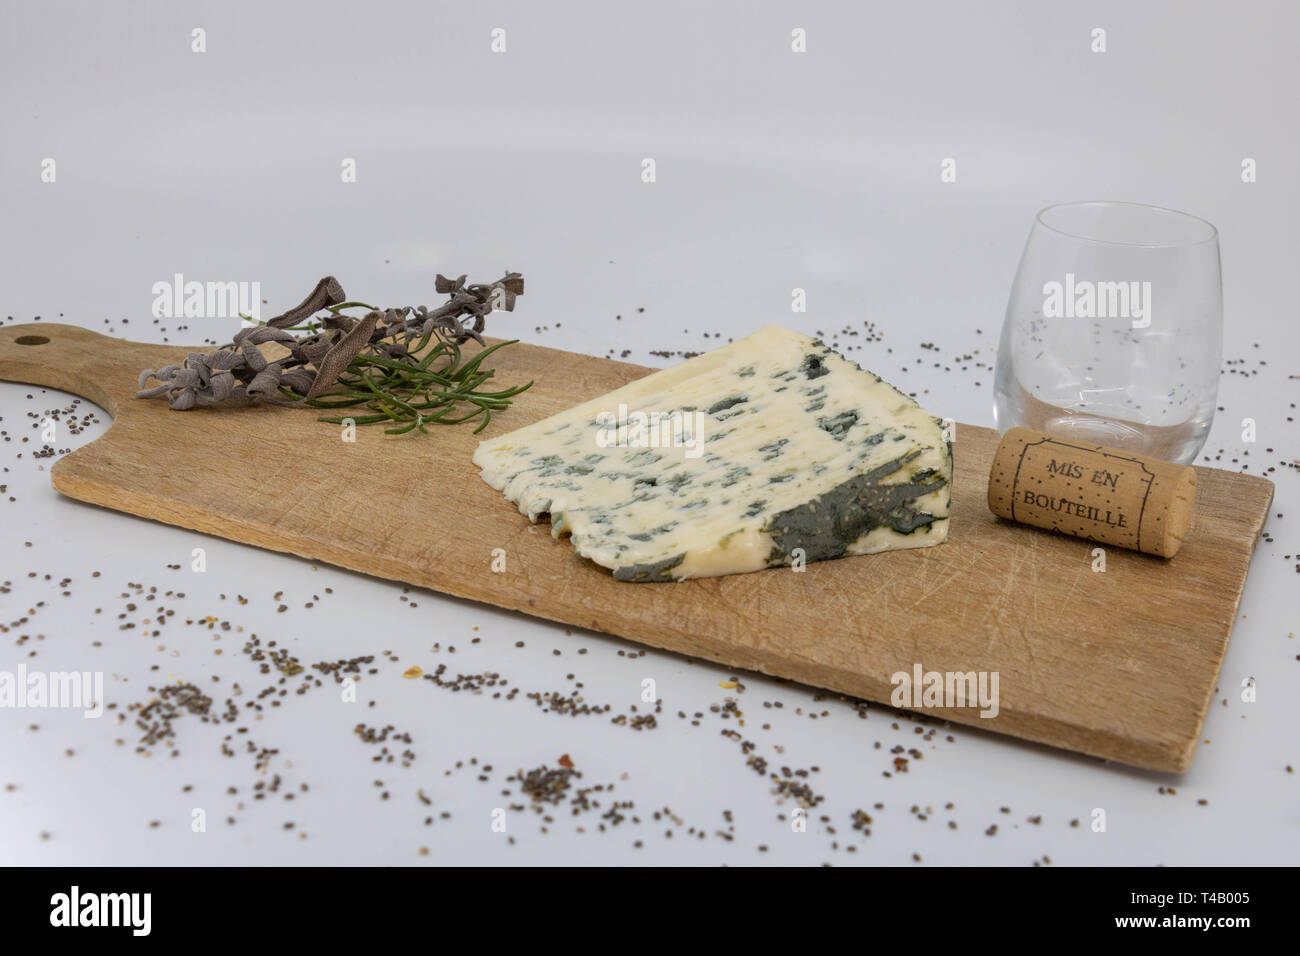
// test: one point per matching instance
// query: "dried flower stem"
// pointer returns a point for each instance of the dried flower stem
(373, 362)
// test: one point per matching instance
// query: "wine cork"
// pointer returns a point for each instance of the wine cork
(1091, 491)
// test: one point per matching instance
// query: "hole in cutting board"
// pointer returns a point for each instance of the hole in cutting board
(31, 340)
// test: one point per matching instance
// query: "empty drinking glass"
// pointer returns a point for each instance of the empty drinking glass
(1114, 329)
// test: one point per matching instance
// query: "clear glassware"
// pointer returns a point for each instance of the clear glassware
(1114, 329)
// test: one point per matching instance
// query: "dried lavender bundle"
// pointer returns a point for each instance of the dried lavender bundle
(377, 360)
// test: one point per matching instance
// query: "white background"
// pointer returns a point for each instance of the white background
(775, 170)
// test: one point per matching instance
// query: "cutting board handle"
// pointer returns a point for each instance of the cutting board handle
(67, 357)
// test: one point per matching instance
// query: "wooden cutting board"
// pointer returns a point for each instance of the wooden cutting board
(1121, 664)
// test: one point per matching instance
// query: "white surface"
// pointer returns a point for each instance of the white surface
(775, 170)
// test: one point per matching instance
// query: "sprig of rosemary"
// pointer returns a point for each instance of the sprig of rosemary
(415, 393)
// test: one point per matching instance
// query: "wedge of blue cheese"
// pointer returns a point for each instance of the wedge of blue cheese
(771, 451)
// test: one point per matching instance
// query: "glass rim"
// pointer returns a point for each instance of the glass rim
(1213, 235)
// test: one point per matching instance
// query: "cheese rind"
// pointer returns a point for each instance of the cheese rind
(776, 450)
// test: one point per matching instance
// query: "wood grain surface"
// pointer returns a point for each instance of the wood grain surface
(1120, 665)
